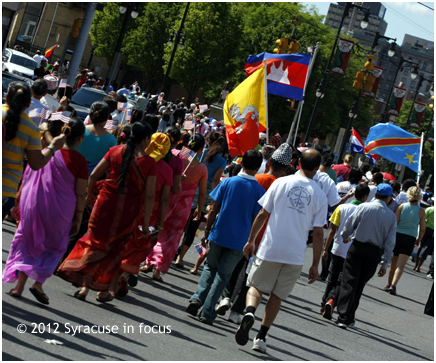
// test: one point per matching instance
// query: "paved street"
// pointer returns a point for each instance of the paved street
(388, 328)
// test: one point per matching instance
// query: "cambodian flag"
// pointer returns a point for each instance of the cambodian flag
(356, 143)
(286, 73)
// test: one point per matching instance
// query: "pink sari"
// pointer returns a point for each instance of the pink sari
(47, 207)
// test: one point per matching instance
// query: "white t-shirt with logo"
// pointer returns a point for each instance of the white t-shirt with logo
(328, 186)
(295, 204)
(343, 188)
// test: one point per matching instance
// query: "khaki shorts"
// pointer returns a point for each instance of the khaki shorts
(278, 278)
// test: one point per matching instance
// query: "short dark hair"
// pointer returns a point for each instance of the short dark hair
(327, 158)
(39, 87)
(378, 178)
(408, 183)
(111, 102)
(67, 92)
(252, 160)
(310, 159)
(355, 176)
(375, 169)
(121, 98)
(396, 186)
(152, 120)
(361, 190)
(366, 167)
(276, 166)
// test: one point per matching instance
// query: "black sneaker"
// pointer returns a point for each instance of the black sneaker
(193, 308)
(328, 310)
(392, 290)
(241, 335)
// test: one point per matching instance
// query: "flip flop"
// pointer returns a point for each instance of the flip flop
(40, 296)
(193, 272)
(77, 295)
(146, 269)
(179, 266)
(106, 299)
(14, 294)
(123, 288)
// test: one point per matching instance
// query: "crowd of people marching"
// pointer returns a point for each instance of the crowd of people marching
(97, 201)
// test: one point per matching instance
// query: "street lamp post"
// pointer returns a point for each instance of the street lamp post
(412, 75)
(351, 116)
(130, 10)
(177, 39)
(323, 82)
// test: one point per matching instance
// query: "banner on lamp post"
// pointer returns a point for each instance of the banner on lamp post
(342, 56)
(376, 72)
(396, 101)
(431, 133)
(418, 112)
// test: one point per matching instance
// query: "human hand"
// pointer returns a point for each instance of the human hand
(313, 274)
(64, 101)
(74, 228)
(325, 256)
(248, 250)
(347, 240)
(196, 216)
(183, 177)
(381, 272)
(204, 240)
(417, 242)
(58, 141)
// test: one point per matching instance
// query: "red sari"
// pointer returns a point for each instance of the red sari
(95, 260)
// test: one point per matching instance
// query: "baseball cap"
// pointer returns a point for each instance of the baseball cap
(384, 190)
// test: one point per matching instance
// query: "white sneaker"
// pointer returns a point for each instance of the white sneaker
(234, 317)
(259, 345)
(223, 306)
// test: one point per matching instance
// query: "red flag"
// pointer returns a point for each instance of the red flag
(49, 51)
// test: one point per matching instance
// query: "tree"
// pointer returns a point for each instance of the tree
(212, 32)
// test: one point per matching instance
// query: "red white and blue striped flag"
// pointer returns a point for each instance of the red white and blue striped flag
(42, 113)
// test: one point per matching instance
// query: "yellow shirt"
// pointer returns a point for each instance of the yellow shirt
(28, 137)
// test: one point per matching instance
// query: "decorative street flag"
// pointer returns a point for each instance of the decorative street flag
(342, 56)
(394, 144)
(49, 51)
(244, 114)
(376, 72)
(396, 101)
(418, 112)
(286, 73)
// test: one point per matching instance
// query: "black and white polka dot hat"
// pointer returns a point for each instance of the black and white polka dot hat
(283, 154)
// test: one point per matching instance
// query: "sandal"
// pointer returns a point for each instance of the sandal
(79, 296)
(40, 296)
(123, 288)
(193, 271)
(146, 268)
(157, 278)
(14, 294)
(179, 265)
(106, 299)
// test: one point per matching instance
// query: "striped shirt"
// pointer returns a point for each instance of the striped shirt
(28, 138)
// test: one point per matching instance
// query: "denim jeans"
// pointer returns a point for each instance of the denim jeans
(217, 271)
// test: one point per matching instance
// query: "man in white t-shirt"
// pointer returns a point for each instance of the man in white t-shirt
(339, 250)
(377, 178)
(282, 251)
(345, 187)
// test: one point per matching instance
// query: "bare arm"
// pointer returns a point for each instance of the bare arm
(214, 208)
(176, 184)
(217, 177)
(421, 227)
(329, 240)
(80, 205)
(38, 159)
(258, 223)
(201, 198)
(398, 213)
(148, 204)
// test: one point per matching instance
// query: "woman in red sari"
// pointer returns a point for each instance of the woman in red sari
(95, 261)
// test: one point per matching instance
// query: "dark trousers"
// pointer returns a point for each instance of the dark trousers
(427, 244)
(360, 265)
(333, 279)
(191, 229)
(236, 289)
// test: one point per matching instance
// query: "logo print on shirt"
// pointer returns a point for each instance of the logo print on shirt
(299, 198)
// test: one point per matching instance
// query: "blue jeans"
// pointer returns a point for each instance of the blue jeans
(221, 262)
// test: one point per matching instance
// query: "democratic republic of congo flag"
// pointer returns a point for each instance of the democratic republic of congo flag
(49, 51)
(394, 144)
(244, 114)
(286, 73)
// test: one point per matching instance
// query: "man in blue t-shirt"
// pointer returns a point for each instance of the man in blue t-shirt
(236, 199)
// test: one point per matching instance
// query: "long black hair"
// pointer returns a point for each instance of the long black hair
(174, 134)
(19, 97)
(76, 129)
(216, 143)
(139, 132)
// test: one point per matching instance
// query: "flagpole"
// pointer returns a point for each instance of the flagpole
(301, 103)
(265, 82)
(420, 157)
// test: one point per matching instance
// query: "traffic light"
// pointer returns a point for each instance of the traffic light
(282, 44)
(358, 81)
(431, 105)
(369, 65)
(76, 28)
(369, 83)
(293, 47)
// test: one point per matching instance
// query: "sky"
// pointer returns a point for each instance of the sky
(402, 18)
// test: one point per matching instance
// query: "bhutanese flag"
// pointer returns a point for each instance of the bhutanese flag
(244, 114)
(286, 73)
(49, 51)
(394, 144)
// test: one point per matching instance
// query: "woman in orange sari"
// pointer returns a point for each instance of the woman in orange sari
(95, 261)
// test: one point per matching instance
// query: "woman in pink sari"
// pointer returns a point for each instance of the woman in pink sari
(168, 241)
(51, 206)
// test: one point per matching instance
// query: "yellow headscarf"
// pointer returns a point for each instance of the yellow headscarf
(159, 146)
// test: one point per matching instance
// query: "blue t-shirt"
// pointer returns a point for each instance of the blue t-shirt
(93, 148)
(217, 163)
(238, 197)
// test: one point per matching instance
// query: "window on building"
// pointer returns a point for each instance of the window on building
(30, 21)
